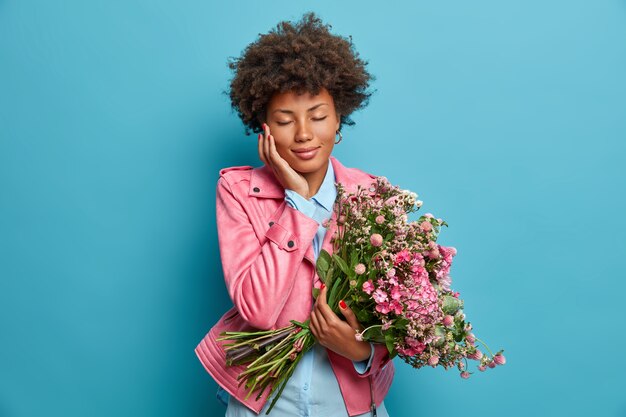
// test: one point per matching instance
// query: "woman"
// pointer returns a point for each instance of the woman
(297, 86)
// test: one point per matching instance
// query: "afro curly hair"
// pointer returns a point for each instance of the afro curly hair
(301, 57)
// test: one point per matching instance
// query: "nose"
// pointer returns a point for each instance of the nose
(303, 132)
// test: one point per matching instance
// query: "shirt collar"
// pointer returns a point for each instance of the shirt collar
(327, 193)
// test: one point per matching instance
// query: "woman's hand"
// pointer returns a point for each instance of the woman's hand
(283, 172)
(336, 334)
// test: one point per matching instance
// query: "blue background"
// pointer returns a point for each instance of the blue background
(508, 118)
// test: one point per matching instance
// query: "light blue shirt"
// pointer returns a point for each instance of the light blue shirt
(312, 390)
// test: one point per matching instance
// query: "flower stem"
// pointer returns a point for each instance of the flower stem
(485, 344)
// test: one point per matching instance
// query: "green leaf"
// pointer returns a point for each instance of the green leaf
(316, 292)
(329, 276)
(332, 296)
(354, 259)
(451, 304)
(342, 264)
(439, 331)
(363, 316)
(322, 264)
(389, 343)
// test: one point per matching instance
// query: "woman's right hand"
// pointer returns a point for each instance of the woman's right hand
(284, 173)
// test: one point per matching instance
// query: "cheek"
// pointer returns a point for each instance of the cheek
(281, 147)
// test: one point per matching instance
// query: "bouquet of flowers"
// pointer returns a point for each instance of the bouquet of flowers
(395, 278)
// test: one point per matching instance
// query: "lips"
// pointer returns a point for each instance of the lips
(306, 153)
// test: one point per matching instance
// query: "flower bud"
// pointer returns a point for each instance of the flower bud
(465, 374)
(433, 360)
(499, 359)
(448, 320)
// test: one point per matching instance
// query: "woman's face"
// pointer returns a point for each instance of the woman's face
(304, 128)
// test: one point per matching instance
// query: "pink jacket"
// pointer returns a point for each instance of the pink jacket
(267, 260)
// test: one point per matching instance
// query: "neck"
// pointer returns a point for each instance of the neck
(315, 179)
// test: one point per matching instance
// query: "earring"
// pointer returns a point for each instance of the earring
(340, 137)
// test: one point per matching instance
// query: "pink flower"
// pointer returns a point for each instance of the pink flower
(476, 355)
(391, 273)
(380, 219)
(368, 286)
(481, 368)
(402, 256)
(465, 374)
(396, 294)
(376, 240)
(433, 360)
(396, 307)
(426, 226)
(491, 364)
(380, 296)
(382, 308)
(499, 359)
(359, 269)
(448, 320)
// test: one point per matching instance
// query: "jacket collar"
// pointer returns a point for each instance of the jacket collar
(264, 184)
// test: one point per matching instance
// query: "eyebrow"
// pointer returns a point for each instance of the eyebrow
(311, 109)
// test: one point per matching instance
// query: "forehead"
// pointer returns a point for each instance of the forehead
(300, 102)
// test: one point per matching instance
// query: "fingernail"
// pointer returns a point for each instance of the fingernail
(322, 287)
(260, 135)
(342, 304)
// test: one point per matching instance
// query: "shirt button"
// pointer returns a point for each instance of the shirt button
(256, 189)
(290, 243)
(306, 387)
(271, 224)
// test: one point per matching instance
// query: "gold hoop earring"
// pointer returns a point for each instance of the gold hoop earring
(340, 137)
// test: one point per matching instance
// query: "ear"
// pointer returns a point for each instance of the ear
(338, 122)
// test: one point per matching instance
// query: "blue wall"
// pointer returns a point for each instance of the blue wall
(507, 117)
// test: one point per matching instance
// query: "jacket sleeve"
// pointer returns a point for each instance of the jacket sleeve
(378, 361)
(259, 271)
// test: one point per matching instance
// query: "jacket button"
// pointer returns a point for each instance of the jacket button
(256, 189)
(290, 243)
(271, 224)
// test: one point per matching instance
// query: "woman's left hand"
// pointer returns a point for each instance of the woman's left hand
(336, 334)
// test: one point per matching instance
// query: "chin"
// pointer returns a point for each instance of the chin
(307, 167)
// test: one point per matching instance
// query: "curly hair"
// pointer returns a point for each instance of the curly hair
(300, 57)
